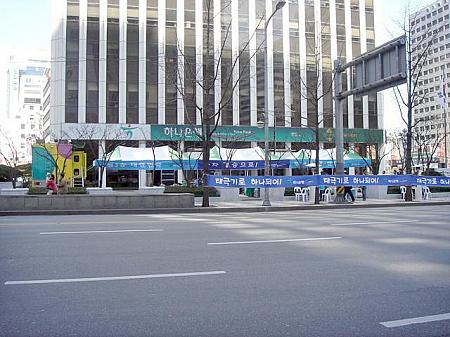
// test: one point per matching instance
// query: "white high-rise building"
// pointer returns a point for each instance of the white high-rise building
(431, 25)
(24, 116)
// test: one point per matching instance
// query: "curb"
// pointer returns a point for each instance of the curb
(216, 209)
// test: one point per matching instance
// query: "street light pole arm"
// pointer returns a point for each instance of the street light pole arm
(266, 201)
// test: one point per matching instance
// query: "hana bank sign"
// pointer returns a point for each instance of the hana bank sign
(194, 133)
(170, 132)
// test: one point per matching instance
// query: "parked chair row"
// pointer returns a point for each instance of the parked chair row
(326, 196)
(426, 193)
(301, 193)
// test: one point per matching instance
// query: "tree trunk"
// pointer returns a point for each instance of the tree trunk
(205, 201)
(317, 148)
(206, 116)
(408, 195)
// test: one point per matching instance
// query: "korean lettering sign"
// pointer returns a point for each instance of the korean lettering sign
(305, 181)
(175, 132)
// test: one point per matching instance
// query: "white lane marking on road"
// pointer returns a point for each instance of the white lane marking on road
(373, 223)
(114, 278)
(416, 320)
(100, 222)
(272, 241)
(97, 232)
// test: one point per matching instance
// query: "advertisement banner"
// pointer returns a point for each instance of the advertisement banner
(173, 132)
(140, 165)
(325, 180)
(244, 165)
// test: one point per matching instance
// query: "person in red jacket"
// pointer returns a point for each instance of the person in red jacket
(51, 185)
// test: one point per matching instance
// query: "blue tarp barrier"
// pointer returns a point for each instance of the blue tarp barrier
(326, 180)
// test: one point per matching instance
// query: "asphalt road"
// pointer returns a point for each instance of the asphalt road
(362, 272)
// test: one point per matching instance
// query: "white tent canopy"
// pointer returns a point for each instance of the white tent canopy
(124, 153)
(166, 158)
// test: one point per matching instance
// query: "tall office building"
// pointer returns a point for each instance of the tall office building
(141, 64)
(46, 91)
(24, 115)
(431, 26)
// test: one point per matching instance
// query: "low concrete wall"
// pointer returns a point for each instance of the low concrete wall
(151, 190)
(13, 191)
(96, 202)
(377, 192)
(99, 190)
(439, 195)
(228, 194)
(275, 194)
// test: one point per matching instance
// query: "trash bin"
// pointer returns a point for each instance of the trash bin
(249, 192)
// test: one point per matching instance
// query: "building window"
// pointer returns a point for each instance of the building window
(112, 64)
(132, 111)
(358, 111)
(244, 67)
(226, 65)
(92, 65)
(72, 55)
(152, 64)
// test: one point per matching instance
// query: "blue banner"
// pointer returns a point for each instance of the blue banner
(143, 165)
(189, 165)
(244, 165)
(325, 180)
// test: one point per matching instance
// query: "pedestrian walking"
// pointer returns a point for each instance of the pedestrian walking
(51, 185)
(348, 191)
(364, 188)
(63, 188)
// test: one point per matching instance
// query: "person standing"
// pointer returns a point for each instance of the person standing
(348, 190)
(364, 188)
(63, 188)
(51, 185)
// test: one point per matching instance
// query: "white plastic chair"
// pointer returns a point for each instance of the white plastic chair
(403, 191)
(426, 193)
(301, 194)
(327, 195)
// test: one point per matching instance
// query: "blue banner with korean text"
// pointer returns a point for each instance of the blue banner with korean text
(325, 180)
(243, 165)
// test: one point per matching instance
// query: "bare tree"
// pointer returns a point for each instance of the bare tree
(209, 109)
(397, 140)
(417, 55)
(185, 158)
(427, 141)
(102, 140)
(10, 155)
(316, 89)
(57, 153)
(372, 153)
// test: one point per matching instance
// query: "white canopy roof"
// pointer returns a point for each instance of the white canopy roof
(125, 153)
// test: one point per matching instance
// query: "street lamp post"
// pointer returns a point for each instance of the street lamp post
(266, 200)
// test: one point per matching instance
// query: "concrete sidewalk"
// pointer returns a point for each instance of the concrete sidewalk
(244, 204)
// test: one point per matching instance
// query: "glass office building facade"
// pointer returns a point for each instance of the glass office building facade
(142, 63)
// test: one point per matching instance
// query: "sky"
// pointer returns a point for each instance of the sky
(25, 30)
(25, 24)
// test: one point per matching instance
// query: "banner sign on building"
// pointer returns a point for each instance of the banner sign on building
(244, 165)
(325, 180)
(252, 133)
(141, 165)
